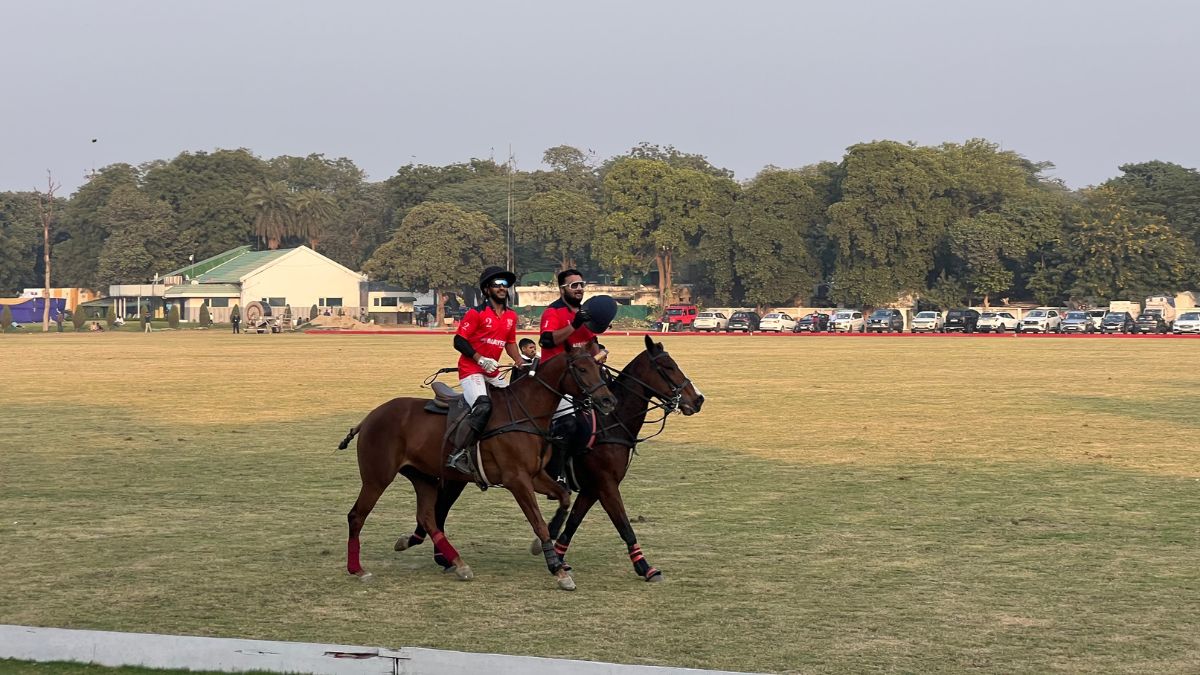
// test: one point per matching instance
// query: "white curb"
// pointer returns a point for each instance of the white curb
(231, 655)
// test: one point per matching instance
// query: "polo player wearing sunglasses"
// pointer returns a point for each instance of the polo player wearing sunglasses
(484, 333)
(563, 323)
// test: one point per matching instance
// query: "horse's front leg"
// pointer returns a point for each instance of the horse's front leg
(610, 499)
(521, 488)
(544, 484)
(579, 510)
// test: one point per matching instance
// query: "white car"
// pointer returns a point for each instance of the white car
(710, 321)
(1188, 322)
(1041, 321)
(997, 322)
(778, 322)
(847, 321)
(927, 322)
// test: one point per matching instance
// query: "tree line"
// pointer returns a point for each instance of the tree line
(948, 224)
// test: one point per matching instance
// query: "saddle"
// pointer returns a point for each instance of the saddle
(444, 398)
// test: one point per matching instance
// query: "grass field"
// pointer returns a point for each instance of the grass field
(841, 504)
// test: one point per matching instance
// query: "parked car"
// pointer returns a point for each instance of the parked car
(1188, 322)
(1152, 322)
(710, 321)
(965, 320)
(847, 321)
(1042, 320)
(778, 322)
(927, 322)
(885, 320)
(813, 323)
(745, 322)
(997, 322)
(1097, 316)
(1077, 321)
(680, 317)
(1118, 322)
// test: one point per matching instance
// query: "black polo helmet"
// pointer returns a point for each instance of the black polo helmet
(494, 272)
(603, 310)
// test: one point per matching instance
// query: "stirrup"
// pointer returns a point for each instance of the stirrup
(459, 462)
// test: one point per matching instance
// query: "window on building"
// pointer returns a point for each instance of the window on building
(376, 303)
(331, 302)
(218, 302)
(390, 302)
(276, 302)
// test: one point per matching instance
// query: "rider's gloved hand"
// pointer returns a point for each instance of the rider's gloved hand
(488, 365)
(581, 317)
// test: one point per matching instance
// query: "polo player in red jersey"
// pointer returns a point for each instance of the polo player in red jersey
(485, 332)
(564, 323)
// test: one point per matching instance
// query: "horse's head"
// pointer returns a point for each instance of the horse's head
(668, 381)
(585, 380)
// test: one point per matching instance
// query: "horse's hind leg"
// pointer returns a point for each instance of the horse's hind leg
(427, 497)
(544, 484)
(367, 496)
(610, 499)
(448, 494)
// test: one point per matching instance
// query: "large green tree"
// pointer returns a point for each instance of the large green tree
(274, 212)
(313, 213)
(438, 247)
(83, 229)
(778, 233)
(207, 191)
(1164, 189)
(1116, 251)
(142, 242)
(890, 218)
(20, 241)
(654, 212)
(561, 222)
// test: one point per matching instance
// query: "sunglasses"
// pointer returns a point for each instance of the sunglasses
(500, 283)
(575, 285)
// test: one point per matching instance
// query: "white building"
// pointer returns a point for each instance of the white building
(296, 277)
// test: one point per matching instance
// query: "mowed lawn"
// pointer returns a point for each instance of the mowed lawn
(841, 504)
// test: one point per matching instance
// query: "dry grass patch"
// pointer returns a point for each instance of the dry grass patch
(822, 514)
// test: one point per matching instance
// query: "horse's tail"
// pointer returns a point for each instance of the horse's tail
(350, 436)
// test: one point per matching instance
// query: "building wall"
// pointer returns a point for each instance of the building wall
(302, 278)
(540, 296)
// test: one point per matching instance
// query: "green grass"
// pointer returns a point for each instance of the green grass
(12, 667)
(841, 504)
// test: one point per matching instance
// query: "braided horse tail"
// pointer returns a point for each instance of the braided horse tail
(350, 436)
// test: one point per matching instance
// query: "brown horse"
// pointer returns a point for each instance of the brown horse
(651, 380)
(401, 437)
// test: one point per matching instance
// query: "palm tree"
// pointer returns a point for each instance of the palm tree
(314, 210)
(273, 214)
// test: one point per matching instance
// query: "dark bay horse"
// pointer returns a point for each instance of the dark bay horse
(651, 380)
(401, 437)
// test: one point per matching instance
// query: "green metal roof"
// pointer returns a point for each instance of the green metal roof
(207, 264)
(202, 290)
(232, 271)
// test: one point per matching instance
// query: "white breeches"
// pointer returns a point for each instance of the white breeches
(474, 386)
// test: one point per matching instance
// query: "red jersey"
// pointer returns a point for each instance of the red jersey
(488, 334)
(557, 315)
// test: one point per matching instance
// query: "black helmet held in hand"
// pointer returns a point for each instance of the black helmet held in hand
(601, 310)
(494, 272)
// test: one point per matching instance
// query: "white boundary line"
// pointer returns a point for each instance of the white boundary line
(232, 655)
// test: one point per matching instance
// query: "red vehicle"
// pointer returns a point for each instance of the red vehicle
(679, 317)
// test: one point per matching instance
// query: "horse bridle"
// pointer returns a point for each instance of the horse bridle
(668, 402)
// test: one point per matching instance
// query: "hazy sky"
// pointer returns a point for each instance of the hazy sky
(1086, 85)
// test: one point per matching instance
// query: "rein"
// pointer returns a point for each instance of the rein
(668, 403)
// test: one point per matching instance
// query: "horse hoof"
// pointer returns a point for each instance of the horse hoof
(365, 577)
(535, 548)
(656, 579)
(401, 544)
(565, 582)
(464, 573)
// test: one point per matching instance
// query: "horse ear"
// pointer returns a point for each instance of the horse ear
(649, 344)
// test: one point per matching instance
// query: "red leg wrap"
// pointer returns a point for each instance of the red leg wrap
(353, 566)
(560, 549)
(443, 546)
